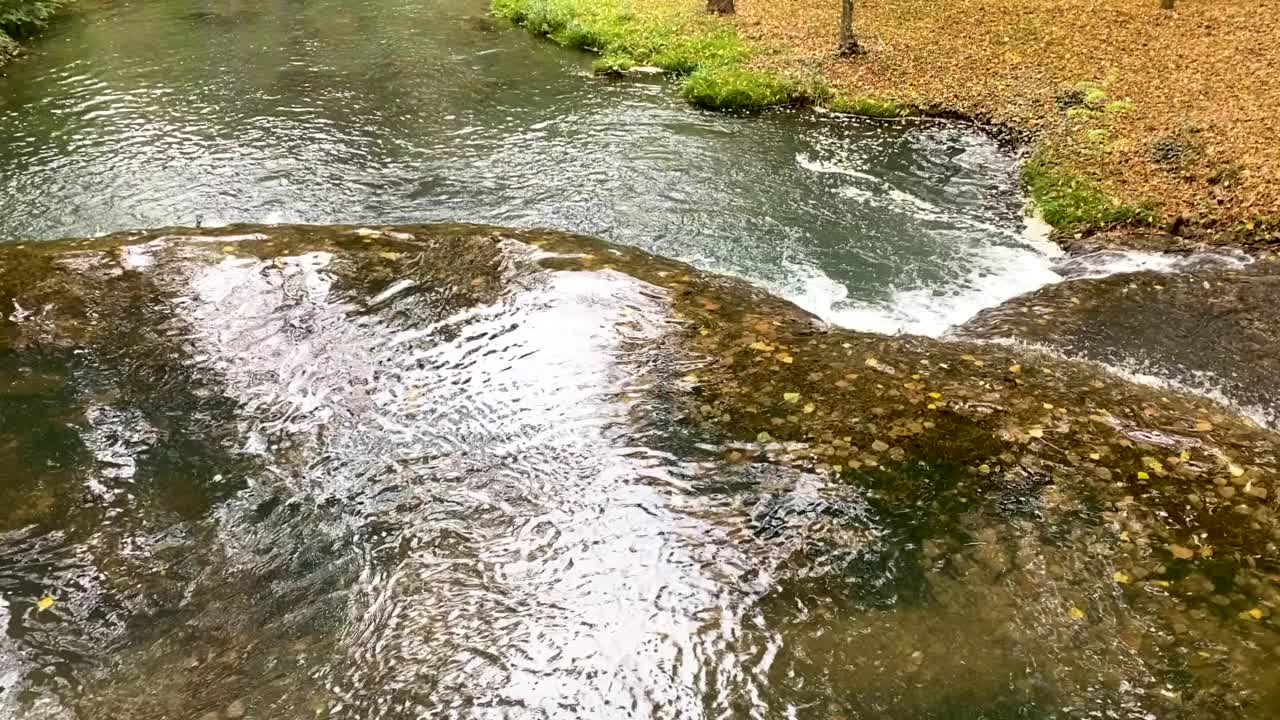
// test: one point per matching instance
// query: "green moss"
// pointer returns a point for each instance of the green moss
(870, 107)
(1118, 106)
(706, 50)
(1073, 204)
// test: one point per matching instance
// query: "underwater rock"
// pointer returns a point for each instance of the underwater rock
(396, 471)
(1211, 331)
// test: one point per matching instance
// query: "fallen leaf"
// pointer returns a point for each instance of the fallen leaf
(1121, 578)
(785, 358)
(44, 603)
(1076, 613)
(791, 397)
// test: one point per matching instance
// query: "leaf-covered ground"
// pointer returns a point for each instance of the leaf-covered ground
(1179, 111)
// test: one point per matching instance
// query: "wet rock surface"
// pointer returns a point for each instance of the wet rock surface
(459, 471)
(1212, 330)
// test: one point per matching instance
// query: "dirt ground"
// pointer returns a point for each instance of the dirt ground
(1180, 108)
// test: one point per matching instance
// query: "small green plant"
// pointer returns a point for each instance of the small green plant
(21, 17)
(1073, 204)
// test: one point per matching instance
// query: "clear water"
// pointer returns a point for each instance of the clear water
(158, 113)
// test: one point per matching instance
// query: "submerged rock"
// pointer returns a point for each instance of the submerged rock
(429, 471)
(1212, 330)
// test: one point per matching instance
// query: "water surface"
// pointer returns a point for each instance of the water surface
(158, 113)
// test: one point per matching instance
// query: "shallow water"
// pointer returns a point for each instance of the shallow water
(150, 114)
(473, 473)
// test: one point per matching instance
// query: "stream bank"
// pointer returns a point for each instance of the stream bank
(1113, 145)
(20, 19)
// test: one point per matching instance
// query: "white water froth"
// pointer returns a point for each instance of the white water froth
(1002, 273)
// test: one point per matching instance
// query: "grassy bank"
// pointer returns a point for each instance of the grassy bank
(1138, 116)
(717, 67)
(20, 18)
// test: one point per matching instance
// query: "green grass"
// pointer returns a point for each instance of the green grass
(705, 50)
(1073, 204)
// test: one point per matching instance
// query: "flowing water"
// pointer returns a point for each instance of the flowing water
(425, 473)
(474, 473)
(148, 114)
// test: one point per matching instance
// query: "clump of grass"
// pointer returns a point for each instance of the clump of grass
(705, 50)
(733, 87)
(870, 107)
(1073, 204)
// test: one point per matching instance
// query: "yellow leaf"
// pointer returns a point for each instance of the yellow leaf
(791, 397)
(984, 468)
(967, 357)
(1143, 476)
(1124, 535)
(761, 346)
(1095, 456)
(44, 603)
(1204, 426)
(1236, 470)
(978, 363)
(935, 395)
(389, 255)
(786, 358)
(691, 377)
(1257, 614)
(1047, 406)
(1036, 432)
(1185, 456)
(1015, 369)
(872, 362)
(808, 408)
(228, 249)
(704, 332)
(1121, 577)
(1076, 613)
(764, 437)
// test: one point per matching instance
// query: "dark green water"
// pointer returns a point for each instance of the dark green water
(146, 114)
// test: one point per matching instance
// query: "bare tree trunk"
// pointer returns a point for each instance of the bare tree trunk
(720, 7)
(1166, 4)
(848, 41)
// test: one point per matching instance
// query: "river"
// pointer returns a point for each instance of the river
(160, 113)
(465, 472)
